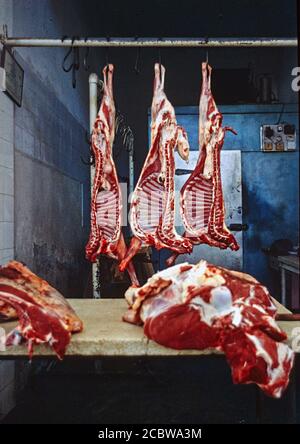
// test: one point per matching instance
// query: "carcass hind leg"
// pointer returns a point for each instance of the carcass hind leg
(132, 275)
(135, 245)
(171, 260)
(122, 254)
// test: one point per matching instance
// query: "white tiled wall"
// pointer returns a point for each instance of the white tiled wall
(7, 368)
(6, 179)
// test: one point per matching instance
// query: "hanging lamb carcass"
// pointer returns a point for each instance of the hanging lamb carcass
(152, 213)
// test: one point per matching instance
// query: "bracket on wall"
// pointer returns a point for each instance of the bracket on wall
(4, 35)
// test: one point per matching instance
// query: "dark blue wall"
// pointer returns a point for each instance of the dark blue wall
(270, 180)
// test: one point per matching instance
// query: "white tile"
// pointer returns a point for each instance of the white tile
(6, 127)
(7, 400)
(6, 153)
(6, 256)
(6, 181)
(6, 208)
(6, 104)
(6, 235)
(7, 373)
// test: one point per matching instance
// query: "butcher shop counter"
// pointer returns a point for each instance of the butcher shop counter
(105, 334)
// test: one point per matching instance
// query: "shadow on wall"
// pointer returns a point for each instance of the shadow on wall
(270, 203)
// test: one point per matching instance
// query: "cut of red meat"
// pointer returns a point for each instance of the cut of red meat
(44, 314)
(18, 280)
(106, 207)
(204, 306)
(152, 214)
(37, 326)
(201, 197)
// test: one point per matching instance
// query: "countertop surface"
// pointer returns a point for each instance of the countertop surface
(105, 334)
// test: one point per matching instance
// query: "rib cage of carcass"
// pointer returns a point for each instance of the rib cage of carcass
(201, 198)
(106, 205)
(152, 211)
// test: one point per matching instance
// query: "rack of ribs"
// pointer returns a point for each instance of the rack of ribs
(152, 213)
(106, 205)
(201, 198)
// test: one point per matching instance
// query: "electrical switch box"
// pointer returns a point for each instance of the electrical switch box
(278, 138)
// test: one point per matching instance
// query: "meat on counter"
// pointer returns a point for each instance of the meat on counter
(44, 315)
(204, 306)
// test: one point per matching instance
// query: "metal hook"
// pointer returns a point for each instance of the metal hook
(91, 161)
(107, 51)
(68, 69)
(75, 65)
(76, 62)
(76, 53)
(159, 59)
(125, 133)
(206, 41)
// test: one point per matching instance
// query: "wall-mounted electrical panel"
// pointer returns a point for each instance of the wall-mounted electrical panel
(278, 138)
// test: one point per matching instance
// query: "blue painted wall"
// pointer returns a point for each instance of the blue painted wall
(270, 180)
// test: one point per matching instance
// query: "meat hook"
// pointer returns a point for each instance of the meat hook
(125, 132)
(67, 69)
(88, 136)
(107, 50)
(75, 65)
(206, 41)
(91, 161)
(159, 58)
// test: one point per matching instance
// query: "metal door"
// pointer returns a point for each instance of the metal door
(232, 191)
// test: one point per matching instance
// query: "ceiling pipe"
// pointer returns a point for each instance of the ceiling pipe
(153, 43)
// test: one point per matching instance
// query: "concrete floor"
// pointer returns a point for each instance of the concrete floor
(130, 391)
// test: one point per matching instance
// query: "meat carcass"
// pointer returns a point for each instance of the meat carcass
(152, 211)
(201, 197)
(44, 314)
(106, 206)
(204, 306)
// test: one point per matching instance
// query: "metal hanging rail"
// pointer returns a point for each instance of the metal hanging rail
(152, 43)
